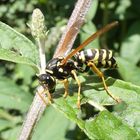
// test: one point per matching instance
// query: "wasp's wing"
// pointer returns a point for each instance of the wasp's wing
(65, 46)
(90, 39)
(75, 22)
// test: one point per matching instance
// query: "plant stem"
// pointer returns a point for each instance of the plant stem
(41, 44)
(36, 109)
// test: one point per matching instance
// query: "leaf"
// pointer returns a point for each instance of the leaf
(92, 11)
(25, 73)
(130, 57)
(12, 96)
(108, 127)
(122, 8)
(4, 124)
(16, 43)
(130, 47)
(53, 131)
(5, 115)
(105, 125)
(14, 57)
(11, 134)
(128, 71)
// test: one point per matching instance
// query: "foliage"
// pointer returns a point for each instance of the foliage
(60, 121)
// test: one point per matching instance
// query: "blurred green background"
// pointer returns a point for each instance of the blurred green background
(16, 78)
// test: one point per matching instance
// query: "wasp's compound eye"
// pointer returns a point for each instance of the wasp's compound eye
(43, 78)
(48, 80)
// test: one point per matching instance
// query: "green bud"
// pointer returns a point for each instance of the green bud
(38, 27)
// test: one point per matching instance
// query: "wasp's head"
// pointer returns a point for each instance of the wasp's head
(47, 80)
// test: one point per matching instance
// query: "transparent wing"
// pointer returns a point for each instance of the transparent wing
(65, 47)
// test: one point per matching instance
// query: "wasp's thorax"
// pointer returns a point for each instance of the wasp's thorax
(59, 71)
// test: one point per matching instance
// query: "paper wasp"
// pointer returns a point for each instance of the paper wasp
(61, 67)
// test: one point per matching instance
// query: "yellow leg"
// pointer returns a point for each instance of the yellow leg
(100, 74)
(66, 84)
(79, 87)
(48, 95)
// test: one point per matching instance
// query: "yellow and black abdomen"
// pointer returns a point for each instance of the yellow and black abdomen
(102, 58)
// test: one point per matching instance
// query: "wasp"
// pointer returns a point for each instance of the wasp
(78, 61)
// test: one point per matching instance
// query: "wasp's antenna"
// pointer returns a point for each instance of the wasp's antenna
(90, 39)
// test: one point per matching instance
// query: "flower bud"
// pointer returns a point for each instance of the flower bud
(38, 27)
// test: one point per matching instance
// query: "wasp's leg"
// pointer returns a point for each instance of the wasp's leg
(45, 91)
(79, 87)
(42, 97)
(100, 74)
(66, 84)
(49, 96)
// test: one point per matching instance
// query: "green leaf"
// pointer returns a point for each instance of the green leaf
(5, 115)
(109, 127)
(12, 96)
(16, 43)
(25, 73)
(92, 11)
(130, 57)
(130, 47)
(56, 131)
(4, 124)
(105, 125)
(128, 71)
(122, 8)
(14, 57)
(11, 134)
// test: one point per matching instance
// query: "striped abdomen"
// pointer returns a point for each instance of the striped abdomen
(102, 58)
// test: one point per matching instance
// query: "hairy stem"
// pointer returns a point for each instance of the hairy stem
(41, 44)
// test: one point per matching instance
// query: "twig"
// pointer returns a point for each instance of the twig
(36, 109)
